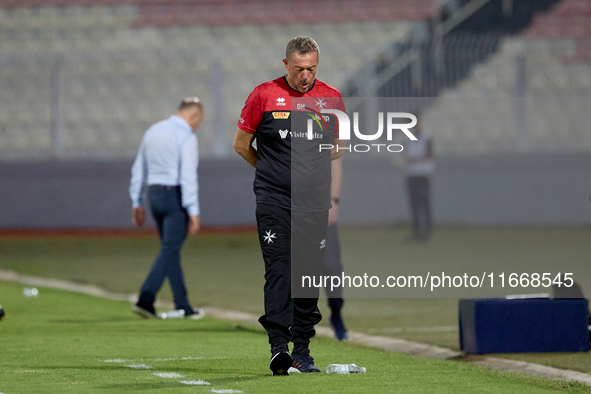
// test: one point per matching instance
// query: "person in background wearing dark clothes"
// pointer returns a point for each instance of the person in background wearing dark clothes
(419, 169)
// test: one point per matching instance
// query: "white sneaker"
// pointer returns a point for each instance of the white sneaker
(197, 314)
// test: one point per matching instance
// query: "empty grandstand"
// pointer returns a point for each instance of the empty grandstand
(84, 78)
(544, 71)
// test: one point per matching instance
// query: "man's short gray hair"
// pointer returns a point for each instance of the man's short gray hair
(302, 45)
(189, 102)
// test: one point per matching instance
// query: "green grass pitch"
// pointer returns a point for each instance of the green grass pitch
(227, 271)
(63, 342)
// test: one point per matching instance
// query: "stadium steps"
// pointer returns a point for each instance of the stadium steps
(558, 88)
(558, 95)
(556, 47)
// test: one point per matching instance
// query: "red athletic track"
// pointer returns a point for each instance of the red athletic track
(113, 233)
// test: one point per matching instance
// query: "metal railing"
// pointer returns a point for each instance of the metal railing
(420, 54)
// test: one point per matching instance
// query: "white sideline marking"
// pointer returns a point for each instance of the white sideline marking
(121, 360)
(398, 330)
(187, 358)
(168, 375)
(139, 366)
(225, 391)
(193, 383)
(386, 343)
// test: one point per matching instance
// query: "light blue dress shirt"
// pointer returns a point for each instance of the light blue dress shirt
(168, 156)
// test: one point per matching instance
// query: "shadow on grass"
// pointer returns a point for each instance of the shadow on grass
(177, 325)
(234, 373)
(234, 329)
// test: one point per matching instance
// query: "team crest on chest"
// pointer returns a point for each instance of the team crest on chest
(321, 103)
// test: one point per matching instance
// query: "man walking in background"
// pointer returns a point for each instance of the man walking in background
(167, 163)
(292, 227)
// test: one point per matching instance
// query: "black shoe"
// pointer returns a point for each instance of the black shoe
(146, 311)
(340, 331)
(2, 314)
(304, 362)
(194, 313)
(280, 360)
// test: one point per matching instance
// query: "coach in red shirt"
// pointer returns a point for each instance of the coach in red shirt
(292, 188)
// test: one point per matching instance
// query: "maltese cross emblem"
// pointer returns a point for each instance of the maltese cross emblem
(269, 237)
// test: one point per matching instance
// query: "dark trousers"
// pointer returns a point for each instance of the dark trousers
(332, 267)
(289, 240)
(418, 191)
(172, 220)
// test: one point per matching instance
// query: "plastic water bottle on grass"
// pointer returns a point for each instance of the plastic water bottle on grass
(176, 314)
(30, 292)
(344, 368)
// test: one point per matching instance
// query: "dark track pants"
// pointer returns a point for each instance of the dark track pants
(332, 267)
(418, 192)
(290, 239)
(172, 220)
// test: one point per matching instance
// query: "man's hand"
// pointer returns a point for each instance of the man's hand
(243, 146)
(338, 148)
(193, 227)
(138, 216)
(336, 172)
(333, 214)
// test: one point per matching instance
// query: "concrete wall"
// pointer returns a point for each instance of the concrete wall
(515, 190)
(541, 189)
(95, 194)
